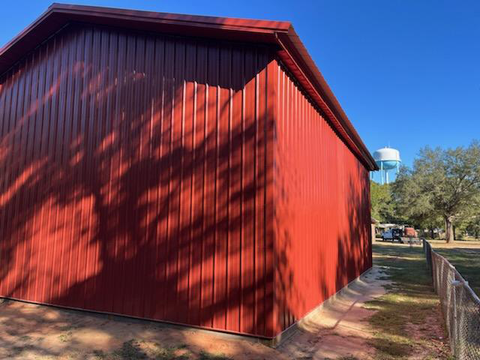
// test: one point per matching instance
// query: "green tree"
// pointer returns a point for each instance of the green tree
(470, 221)
(442, 183)
(413, 203)
(473, 227)
(381, 201)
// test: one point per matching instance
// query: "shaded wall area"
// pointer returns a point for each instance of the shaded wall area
(322, 207)
(134, 176)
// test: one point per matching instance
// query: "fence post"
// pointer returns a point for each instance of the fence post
(455, 328)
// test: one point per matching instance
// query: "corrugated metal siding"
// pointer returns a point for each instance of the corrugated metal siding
(133, 178)
(322, 207)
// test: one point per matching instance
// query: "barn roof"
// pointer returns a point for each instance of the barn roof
(280, 33)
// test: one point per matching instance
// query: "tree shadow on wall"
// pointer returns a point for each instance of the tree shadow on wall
(322, 229)
(136, 201)
(354, 245)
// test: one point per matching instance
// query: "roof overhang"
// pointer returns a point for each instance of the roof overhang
(291, 50)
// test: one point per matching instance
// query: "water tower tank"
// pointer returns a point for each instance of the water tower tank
(390, 158)
(387, 159)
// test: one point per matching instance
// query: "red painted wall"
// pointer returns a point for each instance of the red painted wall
(322, 207)
(173, 179)
(133, 175)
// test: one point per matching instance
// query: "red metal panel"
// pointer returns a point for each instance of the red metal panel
(322, 214)
(134, 178)
(174, 179)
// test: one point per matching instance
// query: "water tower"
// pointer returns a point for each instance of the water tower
(387, 159)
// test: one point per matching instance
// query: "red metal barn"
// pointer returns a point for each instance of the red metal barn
(188, 169)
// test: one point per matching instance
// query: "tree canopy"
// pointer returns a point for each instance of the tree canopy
(382, 204)
(442, 186)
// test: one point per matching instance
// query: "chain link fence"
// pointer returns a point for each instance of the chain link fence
(460, 305)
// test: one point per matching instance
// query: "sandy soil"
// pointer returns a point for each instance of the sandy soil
(339, 330)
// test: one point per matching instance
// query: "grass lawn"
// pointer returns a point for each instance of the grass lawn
(465, 256)
(408, 322)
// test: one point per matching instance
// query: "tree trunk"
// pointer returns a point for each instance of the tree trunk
(449, 229)
(432, 233)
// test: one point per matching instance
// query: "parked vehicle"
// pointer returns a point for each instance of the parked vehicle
(392, 235)
(410, 232)
(406, 235)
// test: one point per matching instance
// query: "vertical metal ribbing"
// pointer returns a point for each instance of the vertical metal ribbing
(322, 203)
(150, 196)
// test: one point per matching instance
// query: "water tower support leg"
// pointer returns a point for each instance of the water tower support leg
(382, 173)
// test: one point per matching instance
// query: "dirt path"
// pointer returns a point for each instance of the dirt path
(338, 330)
(341, 328)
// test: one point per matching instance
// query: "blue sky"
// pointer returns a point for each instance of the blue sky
(407, 72)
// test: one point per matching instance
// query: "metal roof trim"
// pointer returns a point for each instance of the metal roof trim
(210, 21)
(323, 95)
